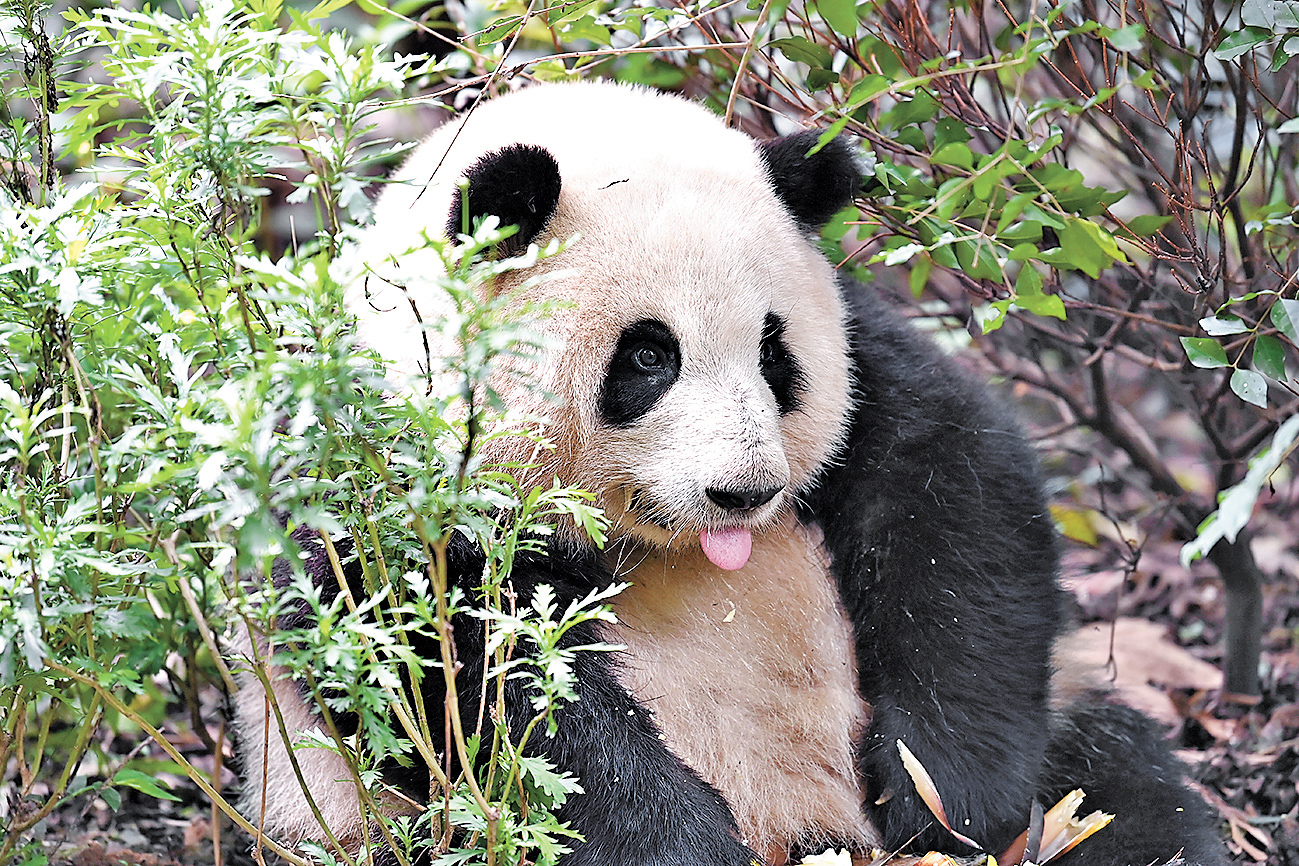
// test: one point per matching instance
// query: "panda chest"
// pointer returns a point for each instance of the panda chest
(751, 678)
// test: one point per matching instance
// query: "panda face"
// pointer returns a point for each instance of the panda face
(699, 425)
(700, 358)
(704, 366)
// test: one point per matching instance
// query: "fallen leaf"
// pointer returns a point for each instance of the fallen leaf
(925, 787)
(1062, 831)
(1144, 658)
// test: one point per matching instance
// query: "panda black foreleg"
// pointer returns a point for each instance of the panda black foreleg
(945, 557)
(953, 655)
(641, 806)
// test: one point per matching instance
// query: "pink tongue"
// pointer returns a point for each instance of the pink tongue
(728, 549)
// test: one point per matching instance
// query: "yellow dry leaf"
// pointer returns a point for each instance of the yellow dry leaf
(925, 787)
(1061, 830)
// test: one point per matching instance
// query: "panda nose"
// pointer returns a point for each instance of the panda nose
(741, 500)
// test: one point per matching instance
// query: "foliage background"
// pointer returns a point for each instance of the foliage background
(1095, 201)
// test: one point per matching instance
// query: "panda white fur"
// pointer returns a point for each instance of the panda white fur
(835, 540)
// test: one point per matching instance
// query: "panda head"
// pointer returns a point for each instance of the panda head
(700, 362)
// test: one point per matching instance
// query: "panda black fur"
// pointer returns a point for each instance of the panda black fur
(836, 539)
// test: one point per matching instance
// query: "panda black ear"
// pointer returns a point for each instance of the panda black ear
(519, 184)
(812, 188)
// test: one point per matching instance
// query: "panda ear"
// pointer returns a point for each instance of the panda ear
(519, 184)
(812, 188)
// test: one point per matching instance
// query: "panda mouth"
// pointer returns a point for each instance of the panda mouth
(726, 543)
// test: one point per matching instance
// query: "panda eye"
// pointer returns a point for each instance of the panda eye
(772, 353)
(648, 358)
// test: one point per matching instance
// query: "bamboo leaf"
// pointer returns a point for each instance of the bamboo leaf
(1062, 831)
(928, 793)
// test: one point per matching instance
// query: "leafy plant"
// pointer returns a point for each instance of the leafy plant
(176, 402)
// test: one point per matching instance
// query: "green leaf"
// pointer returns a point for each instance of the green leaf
(1237, 504)
(952, 196)
(917, 109)
(1103, 239)
(1283, 51)
(1023, 252)
(544, 777)
(1014, 207)
(584, 27)
(975, 256)
(820, 79)
(802, 50)
(498, 31)
(841, 15)
(1204, 352)
(1241, 42)
(1221, 326)
(1285, 315)
(1126, 39)
(324, 8)
(921, 267)
(1029, 295)
(1250, 386)
(1147, 80)
(145, 784)
(1269, 357)
(1274, 15)
(268, 11)
(1147, 224)
(1078, 250)
(866, 90)
(947, 130)
(955, 153)
(993, 316)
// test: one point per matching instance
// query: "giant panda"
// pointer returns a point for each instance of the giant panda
(835, 539)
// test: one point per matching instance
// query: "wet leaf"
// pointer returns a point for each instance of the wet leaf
(1204, 352)
(1250, 386)
(1220, 326)
(1269, 357)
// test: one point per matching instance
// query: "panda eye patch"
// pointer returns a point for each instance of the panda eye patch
(781, 371)
(645, 364)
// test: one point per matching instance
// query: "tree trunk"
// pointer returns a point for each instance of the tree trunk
(1244, 624)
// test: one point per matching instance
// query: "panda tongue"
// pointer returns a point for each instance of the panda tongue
(728, 549)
